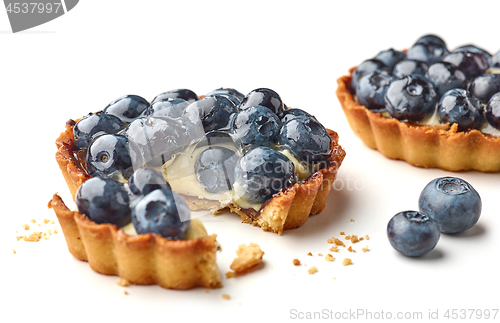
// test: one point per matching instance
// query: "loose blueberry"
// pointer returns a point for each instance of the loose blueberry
(429, 48)
(446, 76)
(145, 180)
(458, 106)
(127, 107)
(235, 96)
(307, 139)
(409, 67)
(492, 111)
(262, 172)
(452, 202)
(411, 99)
(264, 97)
(109, 155)
(293, 113)
(103, 200)
(94, 125)
(184, 94)
(366, 67)
(471, 63)
(168, 108)
(412, 233)
(162, 212)
(483, 87)
(215, 169)
(372, 88)
(390, 57)
(255, 126)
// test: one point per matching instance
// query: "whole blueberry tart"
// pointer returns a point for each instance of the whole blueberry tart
(136, 169)
(427, 105)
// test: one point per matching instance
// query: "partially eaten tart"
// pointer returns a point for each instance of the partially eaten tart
(272, 165)
(427, 106)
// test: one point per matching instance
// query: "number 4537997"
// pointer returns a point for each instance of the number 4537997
(33, 7)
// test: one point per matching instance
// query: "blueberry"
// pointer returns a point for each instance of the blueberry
(264, 97)
(412, 233)
(483, 87)
(290, 114)
(409, 67)
(109, 155)
(94, 125)
(474, 48)
(127, 107)
(492, 111)
(495, 60)
(307, 139)
(262, 172)
(366, 67)
(145, 180)
(458, 106)
(390, 57)
(452, 202)
(215, 169)
(233, 95)
(168, 108)
(255, 126)
(372, 88)
(429, 48)
(162, 212)
(103, 200)
(214, 138)
(471, 63)
(411, 99)
(156, 140)
(446, 76)
(184, 94)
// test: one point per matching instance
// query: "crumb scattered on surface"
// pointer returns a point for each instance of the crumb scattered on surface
(46, 221)
(348, 237)
(354, 238)
(350, 249)
(365, 249)
(312, 270)
(226, 296)
(230, 274)
(34, 237)
(320, 254)
(338, 242)
(296, 262)
(207, 291)
(248, 256)
(14, 251)
(309, 254)
(125, 292)
(347, 262)
(361, 239)
(122, 282)
(329, 257)
(367, 237)
(52, 221)
(33, 220)
(334, 249)
(342, 233)
(26, 226)
(352, 220)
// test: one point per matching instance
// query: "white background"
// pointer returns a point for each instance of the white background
(104, 49)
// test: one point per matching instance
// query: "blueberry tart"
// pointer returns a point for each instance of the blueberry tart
(428, 105)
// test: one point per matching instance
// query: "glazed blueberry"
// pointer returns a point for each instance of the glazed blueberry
(162, 212)
(483, 87)
(495, 60)
(390, 57)
(103, 200)
(145, 180)
(184, 94)
(412, 233)
(264, 97)
(452, 202)
(474, 48)
(411, 99)
(409, 67)
(214, 169)
(109, 155)
(235, 96)
(94, 125)
(262, 172)
(207, 114)
(492, 111)
(307, 139)
(293, 113)
(214, 138)
(458, 106)
(155, 141)
(168, 108)
(255, 126)
(429, 48)
(471, 63)
(446, 76)
(366, 67)
(127, 107)
(372, 88)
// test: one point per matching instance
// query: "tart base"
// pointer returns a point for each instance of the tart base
(146, 259)
(440, 146)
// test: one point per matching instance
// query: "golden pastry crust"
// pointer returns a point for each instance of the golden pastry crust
(145, 259)
(287, 209)
(441, 146)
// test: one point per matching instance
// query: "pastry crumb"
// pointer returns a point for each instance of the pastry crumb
(226, 296)
(352, 220)
(34, 237)
(347, 262)
(52, 221)
(230, 274)
(46, 238)
(320, 254)
(354, 238)
(361, 239)
(365, 249)
(348, 237)
(123, 282)
(342, 233)
(309, 254)
(312, 270)
(248, 256)
(46, 221)
(330, 240)
(33, 220)
(338, 242)
(334, 249)
(56, 232)
(125, 292)
(207, 291)
(26, 226)
(14, 251)
(329, 257)
(367, 237)
(296, 262)
(350, 249)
